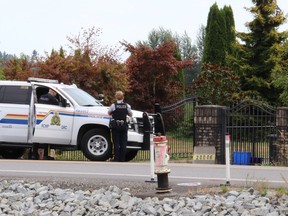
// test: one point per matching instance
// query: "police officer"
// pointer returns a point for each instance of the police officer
(49, 98)
(119, 111)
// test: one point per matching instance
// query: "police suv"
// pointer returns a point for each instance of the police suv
(79, 122)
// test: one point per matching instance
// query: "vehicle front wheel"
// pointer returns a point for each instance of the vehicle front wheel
(12, 153)
(96, 145)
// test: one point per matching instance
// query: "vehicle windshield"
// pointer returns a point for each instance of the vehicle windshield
(81, 97)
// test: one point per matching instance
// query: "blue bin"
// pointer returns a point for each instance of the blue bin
(241, 158)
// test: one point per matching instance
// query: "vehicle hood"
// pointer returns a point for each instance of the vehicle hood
(104, 111)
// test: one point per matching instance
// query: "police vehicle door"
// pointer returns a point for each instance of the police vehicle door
(54, 123)
(14, 112)
(32, 116)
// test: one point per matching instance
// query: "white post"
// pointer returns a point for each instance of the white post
(152, 174)
(152, 157)
(227, 154)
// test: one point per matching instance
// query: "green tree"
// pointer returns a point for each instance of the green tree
(281, 79)
(219, 35)
(230, 28)
(212, 85)
(260, 53)
(191, 73)
(215, 39)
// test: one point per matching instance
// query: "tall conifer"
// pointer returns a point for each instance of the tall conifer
(215, 40)
(262, 50)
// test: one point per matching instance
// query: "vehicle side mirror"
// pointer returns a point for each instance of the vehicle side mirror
(64, 103)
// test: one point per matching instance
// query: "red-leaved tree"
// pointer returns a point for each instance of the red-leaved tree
(154, 75)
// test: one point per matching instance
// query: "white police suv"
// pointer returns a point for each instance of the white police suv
(79, 122)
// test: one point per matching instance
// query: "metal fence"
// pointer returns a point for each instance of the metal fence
(179, 125)
(250, 125)
(255, 128)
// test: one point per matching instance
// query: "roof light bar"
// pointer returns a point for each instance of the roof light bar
(34, 79)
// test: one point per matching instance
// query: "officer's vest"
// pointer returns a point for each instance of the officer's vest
(120, 111)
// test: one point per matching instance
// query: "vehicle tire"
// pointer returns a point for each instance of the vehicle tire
(12, 153)
(96, 145)
(130, 154)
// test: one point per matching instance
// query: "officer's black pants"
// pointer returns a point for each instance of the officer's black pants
(119, 136)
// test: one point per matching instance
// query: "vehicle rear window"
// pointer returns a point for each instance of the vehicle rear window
(15, 94)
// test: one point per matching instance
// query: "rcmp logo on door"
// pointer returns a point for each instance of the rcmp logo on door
(55, 120)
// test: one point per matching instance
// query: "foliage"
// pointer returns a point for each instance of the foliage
(102, 77)
(5, 56)
(230, 29)
(260, 51)
(184, 50)
(109, 77)
(55, 66)
(185, 126)
(191, 73)
(215, 38)
(280, 80)
(19, 68)
(89, 66)
(152, 74)
(88, 42)
(216, 85)
(281, 190)
(1, 74)
(200, 42)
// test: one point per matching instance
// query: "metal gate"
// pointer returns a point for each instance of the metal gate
(252, 127)
(179, 124)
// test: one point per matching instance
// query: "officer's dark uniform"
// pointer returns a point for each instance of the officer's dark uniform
(119, 133)
(44, 99)
(48, 99)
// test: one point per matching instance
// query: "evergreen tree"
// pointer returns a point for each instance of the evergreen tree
(230, 28)
(260, 54)
(219, 35)
(217, 83)
(215, 40)
(281, 78)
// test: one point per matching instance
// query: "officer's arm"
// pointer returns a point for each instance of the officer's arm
(129, 111)
(110, 111)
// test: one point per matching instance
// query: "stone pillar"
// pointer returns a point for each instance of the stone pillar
(282, 123)
(210, 125)
(281, 137)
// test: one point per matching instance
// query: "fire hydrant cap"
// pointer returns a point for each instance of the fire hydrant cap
(159, 138)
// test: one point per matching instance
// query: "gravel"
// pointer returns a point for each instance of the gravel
(60, 197)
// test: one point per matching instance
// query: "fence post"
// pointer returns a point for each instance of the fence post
(159, 128)
(227, 154)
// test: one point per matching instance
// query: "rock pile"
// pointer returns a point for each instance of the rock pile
(33, 198)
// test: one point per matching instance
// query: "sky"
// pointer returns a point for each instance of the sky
(43, 25)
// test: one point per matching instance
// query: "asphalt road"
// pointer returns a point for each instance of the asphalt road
(180, 173)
